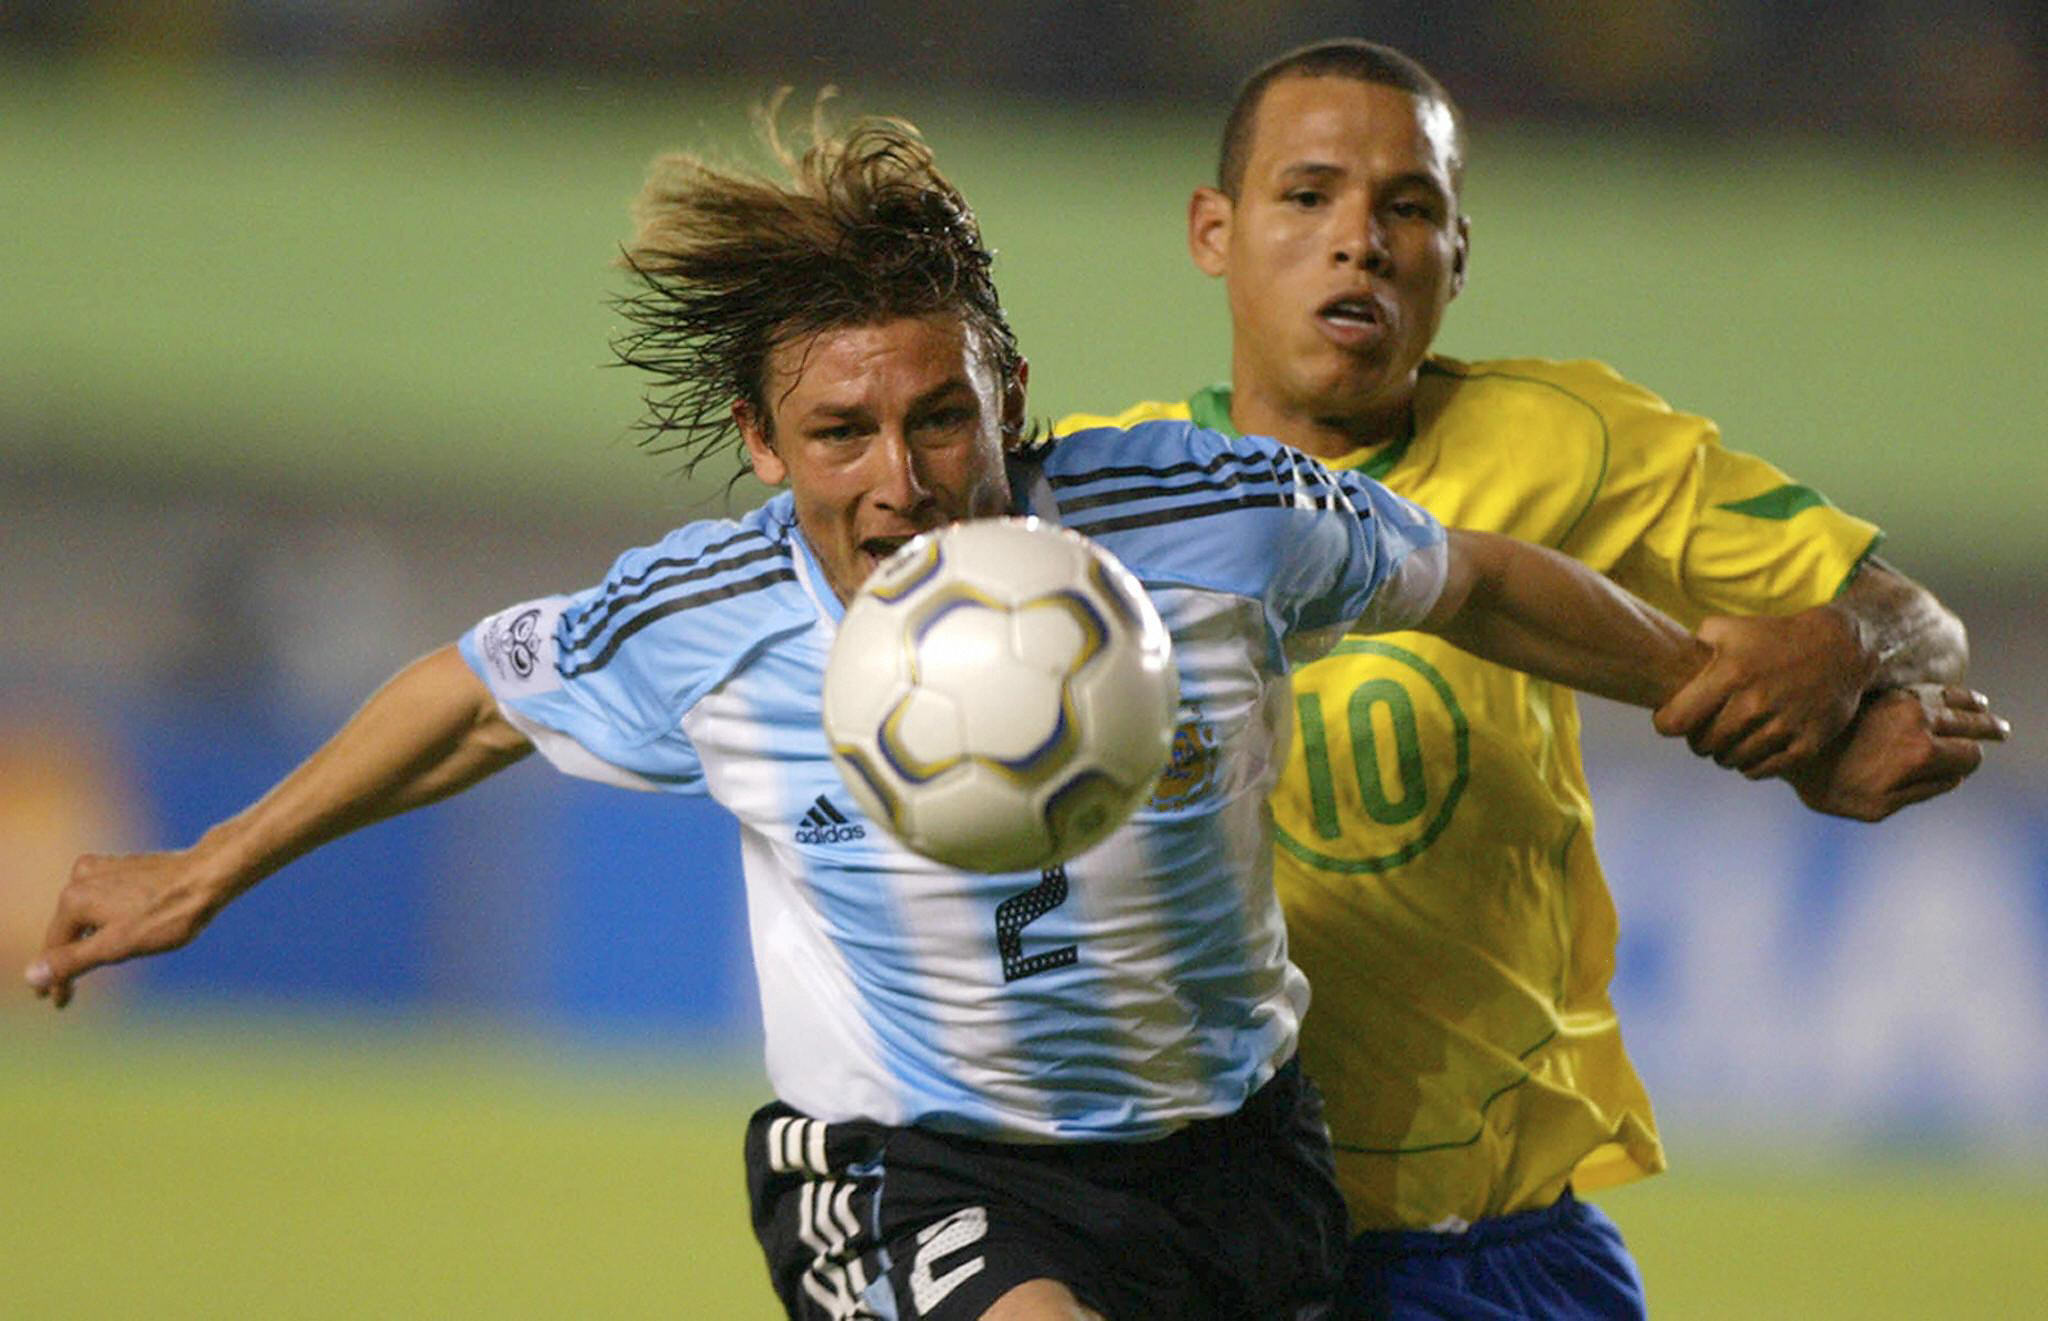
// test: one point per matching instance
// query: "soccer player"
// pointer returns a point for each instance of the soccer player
(1051, 1095)
(1433, 824)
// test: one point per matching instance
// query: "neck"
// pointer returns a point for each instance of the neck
(1324, 434)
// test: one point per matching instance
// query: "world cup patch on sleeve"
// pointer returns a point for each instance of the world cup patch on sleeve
(518, 647)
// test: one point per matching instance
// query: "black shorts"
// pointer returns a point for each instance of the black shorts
(1232, 1219)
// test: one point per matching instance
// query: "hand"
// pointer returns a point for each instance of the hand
(1777, 690)
(1907, 744)
(116, 908)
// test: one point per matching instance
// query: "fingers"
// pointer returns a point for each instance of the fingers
(69, 915)
(70, 924)
(114, 908)
(1744, 736)
(56, 970)
(1917, 791)
(72, 945)
(1954, 722)
(1692, 706)
(1947, 759)
(1792, 754)
(1744, 746)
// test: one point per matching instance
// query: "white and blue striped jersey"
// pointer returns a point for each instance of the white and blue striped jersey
(1144, 984)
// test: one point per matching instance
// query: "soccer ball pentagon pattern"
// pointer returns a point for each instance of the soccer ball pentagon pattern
(1001, 694)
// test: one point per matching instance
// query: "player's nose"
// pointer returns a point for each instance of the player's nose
(900, 482)
(1358, 238)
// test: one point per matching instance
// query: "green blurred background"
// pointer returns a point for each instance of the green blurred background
(363, 281)
(318, 278)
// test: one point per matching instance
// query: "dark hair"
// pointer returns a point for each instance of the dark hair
(1340, 57)
(730, 266)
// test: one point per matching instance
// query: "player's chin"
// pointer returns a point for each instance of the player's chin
(1336, 373)
(1346, 394)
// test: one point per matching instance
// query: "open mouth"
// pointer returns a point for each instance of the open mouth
(878, 549)
(1358, 312)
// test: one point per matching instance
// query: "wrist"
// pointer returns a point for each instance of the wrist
(223, 863)
(1858, 645)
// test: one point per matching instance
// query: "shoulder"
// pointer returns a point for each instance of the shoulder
(1180, 503)
(1578, 423)
(704, 591)
(1187, 458)
(1146, 411)
(1582, 393)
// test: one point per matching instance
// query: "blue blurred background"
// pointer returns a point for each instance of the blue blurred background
(302, 318)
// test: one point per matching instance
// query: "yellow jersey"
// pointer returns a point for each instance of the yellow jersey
(1433, 827)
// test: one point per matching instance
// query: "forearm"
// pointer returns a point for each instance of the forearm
(1908, 634)
(1535, 610)
(430, 731)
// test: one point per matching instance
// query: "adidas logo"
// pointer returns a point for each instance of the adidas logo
(826, 824)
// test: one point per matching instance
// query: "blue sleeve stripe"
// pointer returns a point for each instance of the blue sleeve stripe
(1311, 480)
(1132, 494)
(1180, 513)
(1211, 468)
(599, 614)
(570, 669)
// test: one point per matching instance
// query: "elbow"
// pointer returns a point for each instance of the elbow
(1952, 659)
(1941, 651)
(1471, 566)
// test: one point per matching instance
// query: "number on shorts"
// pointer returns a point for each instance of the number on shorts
(958, 1230)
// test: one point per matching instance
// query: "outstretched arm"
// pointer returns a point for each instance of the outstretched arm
(1773, 676)
(431, 731)
(1535, 610)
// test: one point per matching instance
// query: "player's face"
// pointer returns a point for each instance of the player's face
(883, 432)
(1340, 253)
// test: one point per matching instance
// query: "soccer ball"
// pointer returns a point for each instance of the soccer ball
(1001, 694)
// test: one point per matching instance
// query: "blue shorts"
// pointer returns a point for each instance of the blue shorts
(1565, 1262)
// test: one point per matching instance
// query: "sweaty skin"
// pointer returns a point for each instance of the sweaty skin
(1341, 252)
(882, 431)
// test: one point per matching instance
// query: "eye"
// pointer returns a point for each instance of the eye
(836, 433)
(949, 418)
(1414, 208)
(1305, 198)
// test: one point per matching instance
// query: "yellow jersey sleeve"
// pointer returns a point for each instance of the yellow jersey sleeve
(1697, 528)
(1149, 411)
(1432, 823)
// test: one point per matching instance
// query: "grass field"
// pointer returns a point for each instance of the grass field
(178, 1168)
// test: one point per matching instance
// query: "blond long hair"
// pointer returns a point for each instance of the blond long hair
(729, 265)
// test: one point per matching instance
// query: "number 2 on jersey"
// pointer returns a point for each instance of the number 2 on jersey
(1020, 911)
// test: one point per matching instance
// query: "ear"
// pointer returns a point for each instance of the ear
(767, 464)
(1013, 403)
(1461, 252)
(1209, 216)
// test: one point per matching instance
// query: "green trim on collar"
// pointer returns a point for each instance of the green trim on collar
(1381, 460)
(1209, 407)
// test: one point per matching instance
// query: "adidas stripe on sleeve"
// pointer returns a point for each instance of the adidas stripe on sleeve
(600, 681)
(1322, 550)
(1142, 985)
